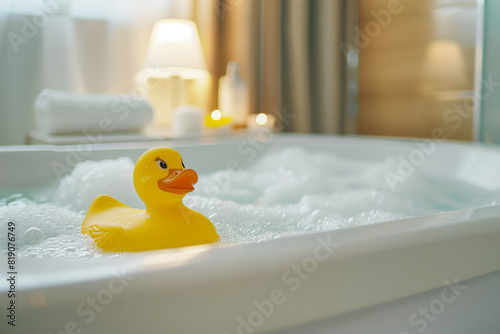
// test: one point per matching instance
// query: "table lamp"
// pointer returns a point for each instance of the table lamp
(174, 52)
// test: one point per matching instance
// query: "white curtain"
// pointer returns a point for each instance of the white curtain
(86, 46)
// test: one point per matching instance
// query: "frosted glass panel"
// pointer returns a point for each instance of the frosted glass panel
(417, 68)
(490, 115)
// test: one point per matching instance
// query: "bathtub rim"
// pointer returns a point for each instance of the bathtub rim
(181, 142)
(218, 265)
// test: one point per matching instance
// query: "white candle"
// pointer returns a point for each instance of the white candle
(187, 120)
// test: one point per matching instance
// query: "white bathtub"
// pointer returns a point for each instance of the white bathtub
(434, 274)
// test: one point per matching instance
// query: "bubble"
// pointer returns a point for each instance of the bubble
(32, 236)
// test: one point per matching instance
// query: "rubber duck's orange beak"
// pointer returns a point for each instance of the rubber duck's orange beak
(179, 181)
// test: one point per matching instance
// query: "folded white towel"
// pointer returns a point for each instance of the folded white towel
(59, 112)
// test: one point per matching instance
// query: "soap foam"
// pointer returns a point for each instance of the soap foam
(43, 230)
(291, 192)
(92, 178)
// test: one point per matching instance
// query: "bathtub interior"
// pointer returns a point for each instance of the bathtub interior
(235, 276)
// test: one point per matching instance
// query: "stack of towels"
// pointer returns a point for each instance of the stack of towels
(61, 112)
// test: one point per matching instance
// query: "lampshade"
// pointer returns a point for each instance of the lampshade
(175, 50)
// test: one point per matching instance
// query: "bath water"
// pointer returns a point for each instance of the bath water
(289, 193)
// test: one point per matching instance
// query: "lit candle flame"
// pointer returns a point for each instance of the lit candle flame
(261, 119)
(216, 115)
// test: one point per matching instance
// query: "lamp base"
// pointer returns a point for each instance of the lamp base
(164, 97)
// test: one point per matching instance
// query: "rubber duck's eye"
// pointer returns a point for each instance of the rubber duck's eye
(182, 162)
(162, 164)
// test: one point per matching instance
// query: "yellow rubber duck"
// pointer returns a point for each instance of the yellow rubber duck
(161, 181)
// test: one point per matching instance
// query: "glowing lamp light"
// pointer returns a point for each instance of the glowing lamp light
(175, 32)
(175, 50)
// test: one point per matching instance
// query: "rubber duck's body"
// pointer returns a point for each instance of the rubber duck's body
(161, 181)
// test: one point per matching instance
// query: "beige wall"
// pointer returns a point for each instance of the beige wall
(416, 66)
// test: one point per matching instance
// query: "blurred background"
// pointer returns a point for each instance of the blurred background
(400, 68)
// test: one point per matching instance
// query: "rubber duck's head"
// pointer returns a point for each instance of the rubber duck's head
(160, 177)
